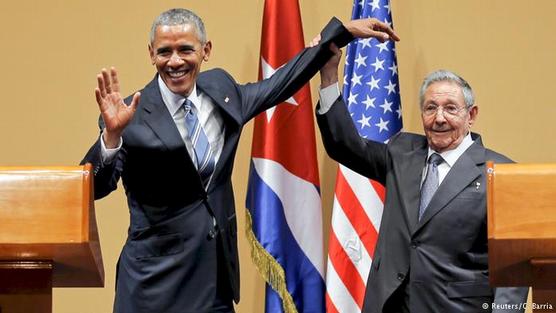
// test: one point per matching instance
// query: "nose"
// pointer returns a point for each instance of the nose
(439, 117)
(175, 60)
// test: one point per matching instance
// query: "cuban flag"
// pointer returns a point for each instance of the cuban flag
(284, 218)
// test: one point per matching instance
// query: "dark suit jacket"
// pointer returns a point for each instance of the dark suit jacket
(170, 262)
(441, 260)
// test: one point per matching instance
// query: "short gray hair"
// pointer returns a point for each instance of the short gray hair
(179, 17)
(444, 75)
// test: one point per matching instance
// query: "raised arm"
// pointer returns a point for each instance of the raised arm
(260, 96)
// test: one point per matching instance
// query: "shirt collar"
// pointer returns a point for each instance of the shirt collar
(175, 101)
(451, 156)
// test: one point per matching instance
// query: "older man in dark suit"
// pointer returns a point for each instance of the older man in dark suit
(431, 254)
(173, 144)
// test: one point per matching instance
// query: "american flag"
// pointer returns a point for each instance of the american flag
(371, 92)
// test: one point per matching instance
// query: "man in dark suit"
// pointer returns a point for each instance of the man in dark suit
(173, 144)
(431, 254)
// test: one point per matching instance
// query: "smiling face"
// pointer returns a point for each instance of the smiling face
(446, 126)
(177, 53)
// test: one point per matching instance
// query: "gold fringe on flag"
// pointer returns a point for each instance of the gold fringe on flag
(268, 267)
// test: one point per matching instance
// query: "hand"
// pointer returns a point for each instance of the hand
(115, 113)
(329, 72)
(371, 27)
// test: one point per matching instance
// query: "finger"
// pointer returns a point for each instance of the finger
(315, 40)
(334, 48)
(385, 28)
(107, 83)
(100, 82)
(115, 81)
(135, 101)
(98, 96)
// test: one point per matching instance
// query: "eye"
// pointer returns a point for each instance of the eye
(186, 51)
(163, 52)
(451, 109)
(430, 109)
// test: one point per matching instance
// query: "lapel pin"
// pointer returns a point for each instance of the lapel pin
(477, 185)
(226, 99)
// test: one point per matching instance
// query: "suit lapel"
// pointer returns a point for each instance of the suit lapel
(409, 179)
(464, 172)
(227, 102)
(158, 118)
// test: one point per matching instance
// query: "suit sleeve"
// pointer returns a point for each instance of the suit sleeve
(344, 144)
(513, 296)
(106, 176)
(260, 96)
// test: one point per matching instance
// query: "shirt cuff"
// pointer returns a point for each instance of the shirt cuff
(328, 96)
(108, 155)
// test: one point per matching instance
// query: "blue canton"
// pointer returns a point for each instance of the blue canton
(371, 86)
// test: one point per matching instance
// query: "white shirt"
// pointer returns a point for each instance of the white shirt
(329, 95)
(209, 117)
(450, 157)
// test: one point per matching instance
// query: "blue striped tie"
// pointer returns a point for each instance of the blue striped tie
(431, 182)
(199, 141)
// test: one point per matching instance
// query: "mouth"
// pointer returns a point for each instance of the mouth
(440, 131)
(177, 74)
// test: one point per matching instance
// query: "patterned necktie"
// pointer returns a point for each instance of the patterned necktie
(199, 141)
(431, 182)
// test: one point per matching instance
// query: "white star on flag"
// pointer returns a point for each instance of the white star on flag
(356, 79)
(369, 102)
(391, 87)
(364, 121)
(373, 83)
(360, 60)
(352, 99)
(394, 69)
(365, 42)
(386, 106)
(382, 125)
(268, 71)
(383, 46)
(378, 64)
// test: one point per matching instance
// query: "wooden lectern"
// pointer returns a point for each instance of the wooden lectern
(48, 235)
(522, 229)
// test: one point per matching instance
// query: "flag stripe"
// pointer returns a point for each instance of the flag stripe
(355, 213)
(288, 187)
(330, 308)
(366, 194)
(274, 234)
(350, 241)
(345, 270)
(340, 298)
(379, 189)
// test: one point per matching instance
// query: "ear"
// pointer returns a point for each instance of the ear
(206, 50)
(473, 112)
(152, 54)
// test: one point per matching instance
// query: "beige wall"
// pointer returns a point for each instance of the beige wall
(52, 50)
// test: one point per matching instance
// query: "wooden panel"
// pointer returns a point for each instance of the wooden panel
(48, 214)
(525, 195)
(26, 287)
(521, 200)
(48, 201)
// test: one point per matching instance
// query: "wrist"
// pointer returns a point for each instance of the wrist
(111, 139)
(327, 80)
